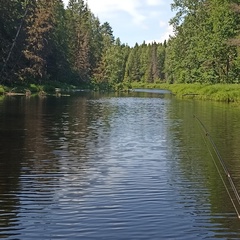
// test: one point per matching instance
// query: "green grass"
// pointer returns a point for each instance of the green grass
(217, 92)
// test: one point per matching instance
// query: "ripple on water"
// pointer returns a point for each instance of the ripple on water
(112, 168)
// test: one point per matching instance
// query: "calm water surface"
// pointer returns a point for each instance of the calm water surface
(131, 166)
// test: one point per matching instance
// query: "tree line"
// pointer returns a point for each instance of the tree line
(206, 45)
(43, 42)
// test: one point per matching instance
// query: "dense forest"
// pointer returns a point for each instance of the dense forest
(42, 42)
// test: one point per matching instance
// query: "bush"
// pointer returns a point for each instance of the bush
(35, 88)
(2, 90)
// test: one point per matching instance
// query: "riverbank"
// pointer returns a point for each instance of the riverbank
(217, 92)
(33, 89)
(229, 93)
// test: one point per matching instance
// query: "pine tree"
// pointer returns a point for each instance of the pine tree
(39, 27)
(58, 67)
(100, 75)
(161, 56)
(12, 16)
(78, 25)
(132, 72)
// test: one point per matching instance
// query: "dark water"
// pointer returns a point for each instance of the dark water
(134, 166)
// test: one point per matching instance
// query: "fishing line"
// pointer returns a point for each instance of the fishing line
(222, 164)
(214, 161)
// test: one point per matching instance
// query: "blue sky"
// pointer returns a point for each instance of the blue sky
(135, 20)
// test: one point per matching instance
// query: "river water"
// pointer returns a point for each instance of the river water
(118, 166)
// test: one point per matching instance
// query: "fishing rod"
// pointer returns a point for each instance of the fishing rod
(219, 157)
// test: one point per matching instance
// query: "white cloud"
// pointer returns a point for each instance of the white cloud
(134, 20)
(163, 23)
(110, 8)
(113, 7)
(154, 2)
(164, 36)
(169, 32)
(138, 10)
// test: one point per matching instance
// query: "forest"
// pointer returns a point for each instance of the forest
(43, 42)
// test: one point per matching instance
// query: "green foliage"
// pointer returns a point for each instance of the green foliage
(11, 40)
(49, 87)
(200, 51)
(215, 92)
(35, 88)
(44, 44)
(2, 90)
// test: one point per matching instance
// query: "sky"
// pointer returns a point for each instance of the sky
(135, 21)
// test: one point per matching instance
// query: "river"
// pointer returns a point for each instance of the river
(117, 166)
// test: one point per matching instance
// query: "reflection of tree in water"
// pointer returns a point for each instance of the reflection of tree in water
(196, 164)
(27, 159)
(76, 136)
(58, 148)
(11, 145)
(38, 154)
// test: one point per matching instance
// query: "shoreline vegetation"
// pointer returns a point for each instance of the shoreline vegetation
(228, 93)
(46, 47)
(33, 89)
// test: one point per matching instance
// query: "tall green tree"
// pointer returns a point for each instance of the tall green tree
(58, 66)
(106, 41)
(39, 29)
(12, 16)
(115, 62)
(132, 71)
(153, 69)
(79, 39)
(200, 52)
(161, 56)
(96, 44)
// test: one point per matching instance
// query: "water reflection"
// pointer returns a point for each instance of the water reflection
(128, 166)
(11, 144)
(197, 165)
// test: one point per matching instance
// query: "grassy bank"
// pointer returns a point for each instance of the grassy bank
(216, 92)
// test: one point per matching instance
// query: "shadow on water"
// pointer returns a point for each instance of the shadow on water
(196, 159)
(11, 145)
